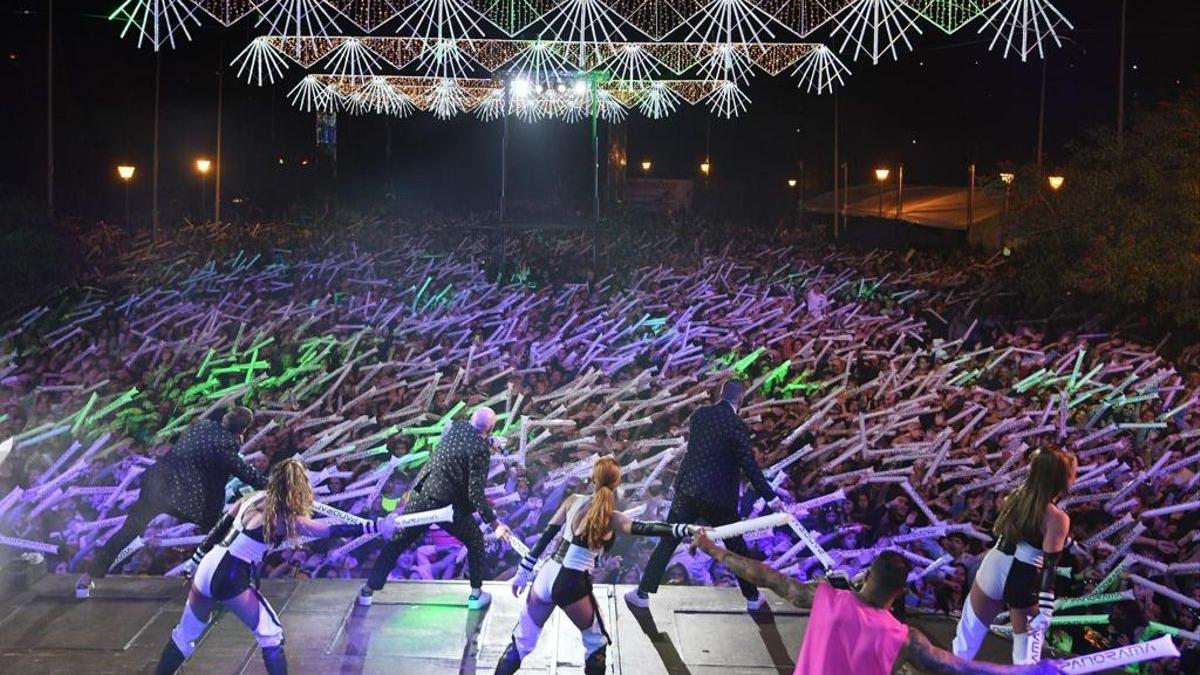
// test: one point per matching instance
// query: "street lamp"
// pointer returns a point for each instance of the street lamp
(791, 182)
(881, 175)
(1055, 182)
(646, 166)
(126, 171)
(705, 168)
(1007, 178)
(202, 167)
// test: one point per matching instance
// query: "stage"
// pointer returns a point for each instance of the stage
(413, 627)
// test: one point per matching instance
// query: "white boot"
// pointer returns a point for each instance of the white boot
(970, 633)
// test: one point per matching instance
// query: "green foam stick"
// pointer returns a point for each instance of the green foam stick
(413, 459)
(420, 292)
(204, 363)
(746, 361)
(1079, 619)
(116, 403)
(83, 412)
(388, 504)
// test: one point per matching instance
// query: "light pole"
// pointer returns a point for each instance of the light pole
(125, 172)
(900, 193)
(1007, 178)
(881, 175)
(202, 167)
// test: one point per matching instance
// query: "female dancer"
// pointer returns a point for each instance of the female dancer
(588, 525)
(232, 552)
(1031, 533)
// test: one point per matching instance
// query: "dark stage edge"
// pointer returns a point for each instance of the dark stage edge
(422, 628)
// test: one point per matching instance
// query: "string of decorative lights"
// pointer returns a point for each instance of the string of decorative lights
(721, 43)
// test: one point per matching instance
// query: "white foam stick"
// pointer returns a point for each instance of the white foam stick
(778, 467)
(742, 527)
(1167, 510)
(817, 502)
(931, 568)
(129, 550)
(181, 541)
(1090, 600)
(1108, 531)
(907, 487)
(817, 550)
(667, 456)
(332, 512)
(1123, 548)
(1164, 591)
(28, 544)
(1135, 559)
(1113, 659)
(507, 499)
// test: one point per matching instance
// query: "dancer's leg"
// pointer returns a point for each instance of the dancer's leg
(464, 529)
(585, 614)
(258, 615)
(1027, 645)
(139, 515)
(977, 614)
(657, 565)
(525, 634)
(191, 626)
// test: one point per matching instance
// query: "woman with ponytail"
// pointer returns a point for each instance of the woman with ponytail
(229, 558)
(588, 524)
(1019, 572)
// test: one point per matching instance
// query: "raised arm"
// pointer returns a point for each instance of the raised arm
(216, 534)
(1058, 524)
(918, 651)
(331, 527)
(649, 528)
(798, 594)
(236, 465)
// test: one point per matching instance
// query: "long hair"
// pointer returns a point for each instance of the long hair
(606, 475)
(289, 496)
(1051, 473)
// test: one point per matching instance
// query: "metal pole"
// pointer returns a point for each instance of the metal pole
(203, 197)
(154, 187)
(220, 112)
(595, 176)
(845, 194)
(504, 181)
(127, 229)
(1041, 118)
(970, 197)
(900, 194)
(800, 202)
(50, 109)
(1121, 81)
(881, 199)
(835, 164)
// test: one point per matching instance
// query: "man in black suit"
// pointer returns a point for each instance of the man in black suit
(706, 487)
(455, 475)
(187, 483)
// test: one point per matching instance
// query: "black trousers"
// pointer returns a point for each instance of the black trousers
(463, 528)
(145, 509)
(693, 511)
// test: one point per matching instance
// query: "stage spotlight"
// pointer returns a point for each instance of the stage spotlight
(520, 87)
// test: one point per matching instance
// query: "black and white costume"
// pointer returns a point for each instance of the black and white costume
(229, 561)
(563, 580)
(1021, 575)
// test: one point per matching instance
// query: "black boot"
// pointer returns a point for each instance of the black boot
(596, 662)
(171, 659)
(275, 660)
(510, 661)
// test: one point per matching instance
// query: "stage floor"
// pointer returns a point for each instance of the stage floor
(421, 628)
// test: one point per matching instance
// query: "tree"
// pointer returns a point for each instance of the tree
(1125, 228)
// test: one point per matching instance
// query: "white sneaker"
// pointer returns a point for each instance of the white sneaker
(84, 592)
(635, 598)
(757, 603)
(479, 601)
(365, 595)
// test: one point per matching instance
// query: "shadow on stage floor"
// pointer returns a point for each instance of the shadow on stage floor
(422, 628)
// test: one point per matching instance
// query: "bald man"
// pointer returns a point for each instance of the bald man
(454, 475)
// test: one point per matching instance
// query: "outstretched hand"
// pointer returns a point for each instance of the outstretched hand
(701, 541)
(520, 581)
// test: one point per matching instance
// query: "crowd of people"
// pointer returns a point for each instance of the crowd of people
(893, 398)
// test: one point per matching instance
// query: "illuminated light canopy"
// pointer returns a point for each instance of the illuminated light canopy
(202, 166)
(156, 21)
(728, 100)
(444, 58)
(126, 171)
(882, 174)
(658, 101)
(312, 95)
(819, 70)
(1056, 182)
(352, 59)
(296, 17)
(875, 27)
(1024, 25)
(259, 62)
(446, 99)
(792, 182)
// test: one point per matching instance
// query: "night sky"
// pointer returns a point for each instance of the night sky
(937, 109)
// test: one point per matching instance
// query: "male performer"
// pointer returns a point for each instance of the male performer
(853, 631)
(454, 475)
(187, 483)
(706, 487)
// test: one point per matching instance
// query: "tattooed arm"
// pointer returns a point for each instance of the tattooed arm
(921, 653)
(800, 595)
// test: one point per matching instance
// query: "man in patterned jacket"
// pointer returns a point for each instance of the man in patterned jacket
(187, 483)
(455, 475)
(706, 487)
